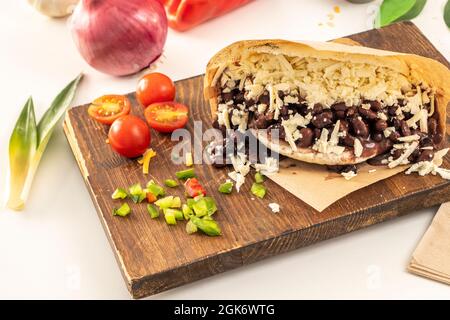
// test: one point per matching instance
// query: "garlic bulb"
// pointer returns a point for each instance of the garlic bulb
(54, 8)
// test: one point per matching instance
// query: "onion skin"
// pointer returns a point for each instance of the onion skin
(119, 37)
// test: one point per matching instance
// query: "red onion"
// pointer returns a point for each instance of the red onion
(119, 37)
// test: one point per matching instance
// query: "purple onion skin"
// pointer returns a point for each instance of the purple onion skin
(119, 37)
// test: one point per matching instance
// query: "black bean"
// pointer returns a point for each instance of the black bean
(351, 112)
(239, 97)
(227, 96)
(317, 133)
(360, 128)
(339, 106)
(318, 108)
(348, 140)
(425, 141)
(394, 136)
(413, 156)
(349, 168)
(392, 110)
(384, 145)
(404, 129)
(284, 111)
(261, 122)
(302, 109)
(367, 114)
(307, 138)
(375, 105)
(377, 137)
(425, 155)
(396, 153)
(396, 123)
(343, 126)
(323, 119)
(264, 98)
(340, 114)
(250, 102)
(281, 94)
(381, 125)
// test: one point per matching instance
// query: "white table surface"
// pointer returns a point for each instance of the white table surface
(56, 247)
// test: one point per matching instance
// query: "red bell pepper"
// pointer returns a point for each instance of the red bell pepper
(185, 14)
(194, 188)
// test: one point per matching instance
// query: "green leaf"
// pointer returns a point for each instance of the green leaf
(447, 14)
(22, 148)
(391, 10)
(414, 12)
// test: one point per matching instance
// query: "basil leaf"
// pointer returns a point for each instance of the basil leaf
(447, 14)
(391, 10)
(414, 12)
(22, 149)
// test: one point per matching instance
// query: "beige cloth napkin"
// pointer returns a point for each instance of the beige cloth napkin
(431, 259)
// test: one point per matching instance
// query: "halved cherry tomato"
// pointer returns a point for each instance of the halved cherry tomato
(108, 108)
(166, 116)
(129, 136)
(194, 188)
(155, 87)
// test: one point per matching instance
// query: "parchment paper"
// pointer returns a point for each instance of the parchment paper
(319, 187)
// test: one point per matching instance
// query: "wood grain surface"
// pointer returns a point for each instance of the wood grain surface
(154, 257)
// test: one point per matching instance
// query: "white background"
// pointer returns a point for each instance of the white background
(56, 247)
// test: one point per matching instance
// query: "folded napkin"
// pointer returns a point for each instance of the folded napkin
(431, 259)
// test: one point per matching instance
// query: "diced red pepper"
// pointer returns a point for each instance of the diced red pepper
(151, 197)
(194, 188)
(185, 14)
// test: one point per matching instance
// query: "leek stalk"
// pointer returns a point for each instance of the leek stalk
(29, 140)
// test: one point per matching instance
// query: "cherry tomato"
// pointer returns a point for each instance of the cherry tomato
(108, 108)
(129, 136)
(194, 188)
(166, 116)
(155, 87)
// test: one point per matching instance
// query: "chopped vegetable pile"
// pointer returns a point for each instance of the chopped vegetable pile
(197, 211)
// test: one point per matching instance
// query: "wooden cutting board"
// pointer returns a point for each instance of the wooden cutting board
(154, 257)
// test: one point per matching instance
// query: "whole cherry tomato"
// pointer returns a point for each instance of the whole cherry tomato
(129, 136)
(155, 87)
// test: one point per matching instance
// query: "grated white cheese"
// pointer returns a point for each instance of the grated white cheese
(349, 175)
(326, 81)
(411, 138)
(388, 131)
(241, 169)
(238, 178)
(290, 99)
(275, 207)
(323, 145)
(358, 148)
(269, 167)
(413, 146)
(372, 170)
